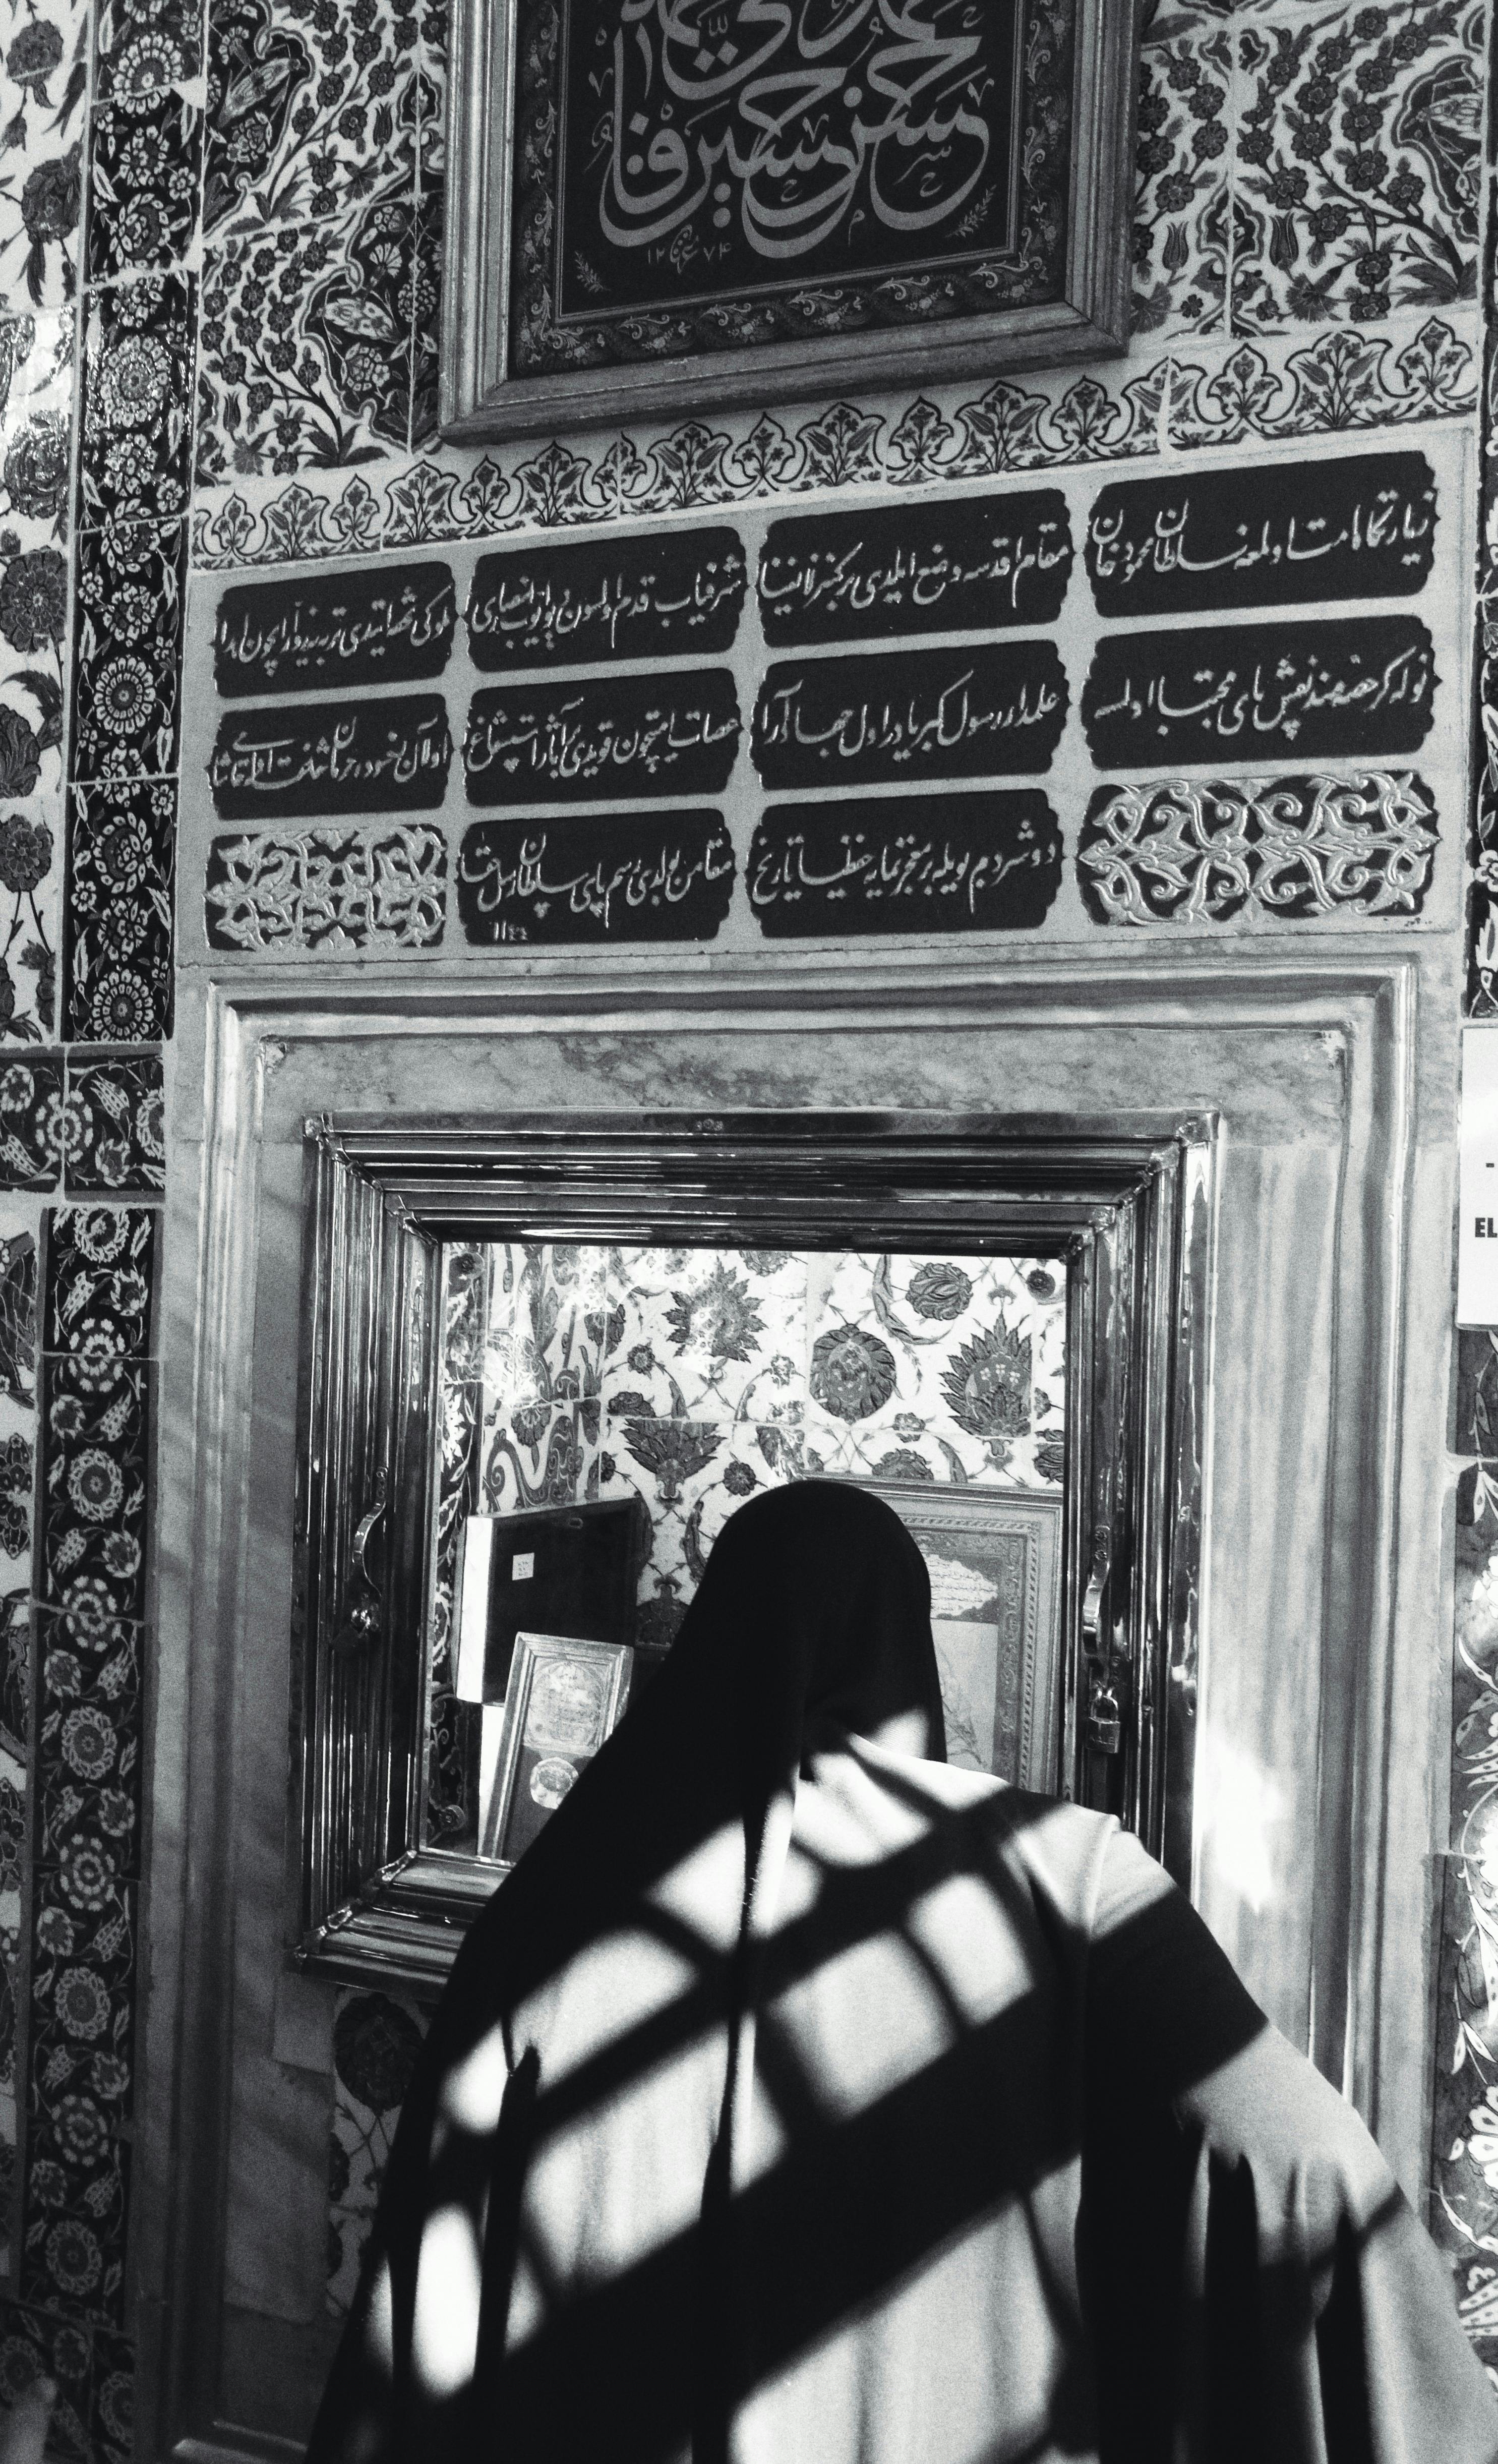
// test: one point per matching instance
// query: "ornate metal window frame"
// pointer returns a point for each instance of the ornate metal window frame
(1127, 1214)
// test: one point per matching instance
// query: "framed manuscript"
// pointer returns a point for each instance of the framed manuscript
(663, 204)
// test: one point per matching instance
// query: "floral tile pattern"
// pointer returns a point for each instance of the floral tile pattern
(452, 1741)
(137, 397)
(33, 2343)
(117, 975)
(306, 341)
(42, 85)
(1359, 165)
(37, 422)
(1182, 198)
(141, 51)
(126, 674)
(32, 1122)
(939, 1369)
(693, 1377)
(709, 1337)
(115, 1135)
(376, 2039)
(144, 161)
(310, 105)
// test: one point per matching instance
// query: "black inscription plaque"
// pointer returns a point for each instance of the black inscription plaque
(911, 714)
(596, 877)
(350, 628)
(906, 864)
(386, 756)
(982, 562)
(1280, 535)
(1361, 685)
(607, 599)
(548, 743)
(718, 154)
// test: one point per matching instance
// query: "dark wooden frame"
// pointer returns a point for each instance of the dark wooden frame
(1129, 1216)
(481, 399)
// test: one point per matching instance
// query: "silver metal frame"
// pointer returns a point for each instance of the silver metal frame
(530, 1649)
(987, 1514)
(481, 400)
(1129, 1215)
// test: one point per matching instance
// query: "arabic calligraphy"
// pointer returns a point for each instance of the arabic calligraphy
(1282, 536)
(1186, 851)
(981, 562)
(1361, 685)
(596, 877)
(712, 148)
(673, 734)
(609, 599)
(906, 864)
(390, 755)
(354, 628)
(965, 713)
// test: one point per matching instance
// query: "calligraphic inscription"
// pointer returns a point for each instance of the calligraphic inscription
(621, 598)
(357, 889)
(1277, 536)
(1364, 684)
(971, 567)
(596, 877)
(1184, 851)
(388, 756)
(544, 743)
(752, 150)
(965, 713)
(984, 863)
(350, 628)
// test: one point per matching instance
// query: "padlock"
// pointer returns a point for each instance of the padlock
(1104, 1718)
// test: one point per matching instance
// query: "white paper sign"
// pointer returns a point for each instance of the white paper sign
(1477, 1243)
(522, 1565)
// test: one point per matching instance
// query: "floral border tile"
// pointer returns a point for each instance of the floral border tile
(94, 1411)
(1359, 165)
(121, 867)
(1342, 381)
(145, 166)
(1181, 195)
(137, 445)
(324, 513)
(115, 1137)
(330, 116)
(82, 2016)
(99, 1283)
(126, 675)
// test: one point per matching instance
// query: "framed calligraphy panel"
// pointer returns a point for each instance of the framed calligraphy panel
(661, 205)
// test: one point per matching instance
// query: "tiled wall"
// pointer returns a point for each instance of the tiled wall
(219, 273)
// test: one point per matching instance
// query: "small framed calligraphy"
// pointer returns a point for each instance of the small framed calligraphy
(659, 207)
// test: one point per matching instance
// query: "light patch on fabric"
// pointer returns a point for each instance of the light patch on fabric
(448, 2283)
(475, 2088)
